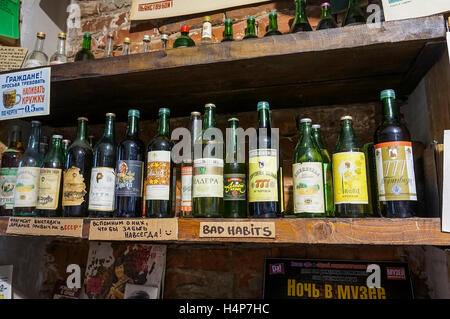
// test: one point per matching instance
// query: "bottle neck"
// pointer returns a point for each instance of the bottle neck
(61, 49)
(228, 32)
(109, 47)
(39, 45)
(251, 29)
(273, 24)
(306, 135)
(55, 148)
(185, 34)
(232, 146)
(264, 118)
(132, 127)
(86, 44)
(81, 132)
(109, 127)
(300, 10)
(163, 125)
(209, 120)
(326, 12)
(318, 137)
(35, 137)
(390, 111)
(347, 138)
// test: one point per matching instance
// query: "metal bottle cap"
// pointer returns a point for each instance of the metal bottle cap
(346, 117)
(262, 105)
(133, 112)
(305, 120)
(82, 119)
(164, 110)
(62, 35)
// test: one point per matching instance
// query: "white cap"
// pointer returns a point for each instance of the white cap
(305, 120)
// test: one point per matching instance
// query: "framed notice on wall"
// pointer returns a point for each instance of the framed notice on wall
(405, 9)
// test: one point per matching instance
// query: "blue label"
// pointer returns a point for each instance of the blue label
(129, 178)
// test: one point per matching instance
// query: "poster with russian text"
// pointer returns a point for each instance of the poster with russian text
(25, 93)
(405, 9)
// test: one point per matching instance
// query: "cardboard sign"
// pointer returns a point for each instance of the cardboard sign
(406, 9)
(25, 93)
(11, 58)
(134, 229)
(6, 273)
(237, 229)
(68, 227)
(446, 184)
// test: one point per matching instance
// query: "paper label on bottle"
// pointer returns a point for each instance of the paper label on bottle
(186, 188)
(308, 187)
(27, 185)
(235, 186)
(129, 175)
(263, 176)
(395, 171)
(350, 179)
(207, 30)
(208, 178)
(49, 188)
(158, 176)
(8, 178)
(101, 194)
(74, 187)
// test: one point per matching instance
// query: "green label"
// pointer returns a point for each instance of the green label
(8, 177)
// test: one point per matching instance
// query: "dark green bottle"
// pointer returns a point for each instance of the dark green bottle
(272, 28)
(326, 19)
(301, 22)
(103, 177)
(228, 31)
(207, 179)
(235, 181)
(85, 53)
(250, 30)
(184, 40)
(158, 193)
(327, 170)
(50, 187)
(65, 147)
(354, 15)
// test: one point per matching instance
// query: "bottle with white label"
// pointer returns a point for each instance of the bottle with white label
(158, 194)
(103, 176)
(206, 31)
(307, 174)
(28, 173)
(37, 57)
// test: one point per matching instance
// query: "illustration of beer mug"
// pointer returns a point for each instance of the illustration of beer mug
(10, 98)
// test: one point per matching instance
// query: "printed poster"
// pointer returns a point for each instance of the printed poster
(6, 281)
(405, 9)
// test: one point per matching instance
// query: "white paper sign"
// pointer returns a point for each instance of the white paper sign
(25, 93)
(446, 186)
(6, 282)
(405, 9)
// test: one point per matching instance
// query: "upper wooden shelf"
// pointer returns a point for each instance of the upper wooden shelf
(336, 66)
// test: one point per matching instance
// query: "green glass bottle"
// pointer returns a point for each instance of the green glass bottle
(228, 31)
(354, 14)
(50, 187)
(326, 19)
(397, 195)
(85, 53)
(349, 174)
(327, 170)
(208, 169)
(272, 28)
(184, 40)
(65, 147)
(301, 22)
(250, 30)
(235, 181)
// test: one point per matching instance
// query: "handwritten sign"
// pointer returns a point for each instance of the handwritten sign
(69, 227)
(11, 58)
(134, 229)
(237, 229)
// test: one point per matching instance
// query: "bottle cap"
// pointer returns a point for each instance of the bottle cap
(184, 28)
(207, 19)
(110, 114)
(133, 112)
(164, 110)
(127, 40)
(387, 94)
(346, 117)
(57, 136)
(146, 38)
(262, 105)
(35, 122)
(195, 113)
(164, 37)
(233, 119)
(66, 141)
(41, 35)
(209, 105)
(315, 126)
(62, 35)
(305, 120)
(325, 4)
(82, 119)
(87, 35)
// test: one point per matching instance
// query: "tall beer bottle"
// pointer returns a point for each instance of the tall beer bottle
(8, 173)
(130, 171)
(235, 181)
(207, 192)
(50, 186)
(397, 194)
(77, 174)
(326, 19)
(301, 22)
(85, 52)
(327, 171)
(158, 195)
(27, 184)
(103, 177)
(263, 170)
(349, 172)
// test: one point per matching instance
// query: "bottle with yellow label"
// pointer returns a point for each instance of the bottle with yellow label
(396, 183)
(349, 174)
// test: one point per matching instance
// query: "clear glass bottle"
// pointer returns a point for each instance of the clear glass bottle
(126, 46)
(326, 19)
(59, 57)
(109, 48)
(206, 31)
(228, 31)
(146, 44)
(250, 30)
(272, 28)
(301, 22)
(37, 57)
(85, 53)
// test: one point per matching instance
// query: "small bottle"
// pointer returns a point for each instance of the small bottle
(146, 44)
(272, 28)
(354, 15)
(250, 30)
(206, 31)
(85, 53)
(184, 40)
(109, 48)
(37, 57)
(301, 22)
(164, 39)
(326, 19)
(59, 56)
(126, 46)
(228, 31)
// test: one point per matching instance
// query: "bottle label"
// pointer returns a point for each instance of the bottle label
(49, 188)
(350, 179)
(129, 176)
(328, 188)
(207, 30)
(27, 185)
(8, 178)
(74, 187)
(208, 178)
(395, 171)
(101, 194)
(186, 188)
(158, 176)
(263, 177)
(234, 187)
(308, 187)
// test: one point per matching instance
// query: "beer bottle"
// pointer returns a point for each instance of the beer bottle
(326, 19)
(103, 177)
(158, 195)
(272, 28)
(349, 174)
(206, 31)
(207, 192)
(235, 181)
(397, 194)
(250, 30)
(130, 171)
(50, 186)
(228, 31)
(301, 22)
(85, 52)
(184, 40)
(354, 14)
(27, 183)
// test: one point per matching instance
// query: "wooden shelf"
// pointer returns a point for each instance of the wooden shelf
(336, 66)
(342, 231)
